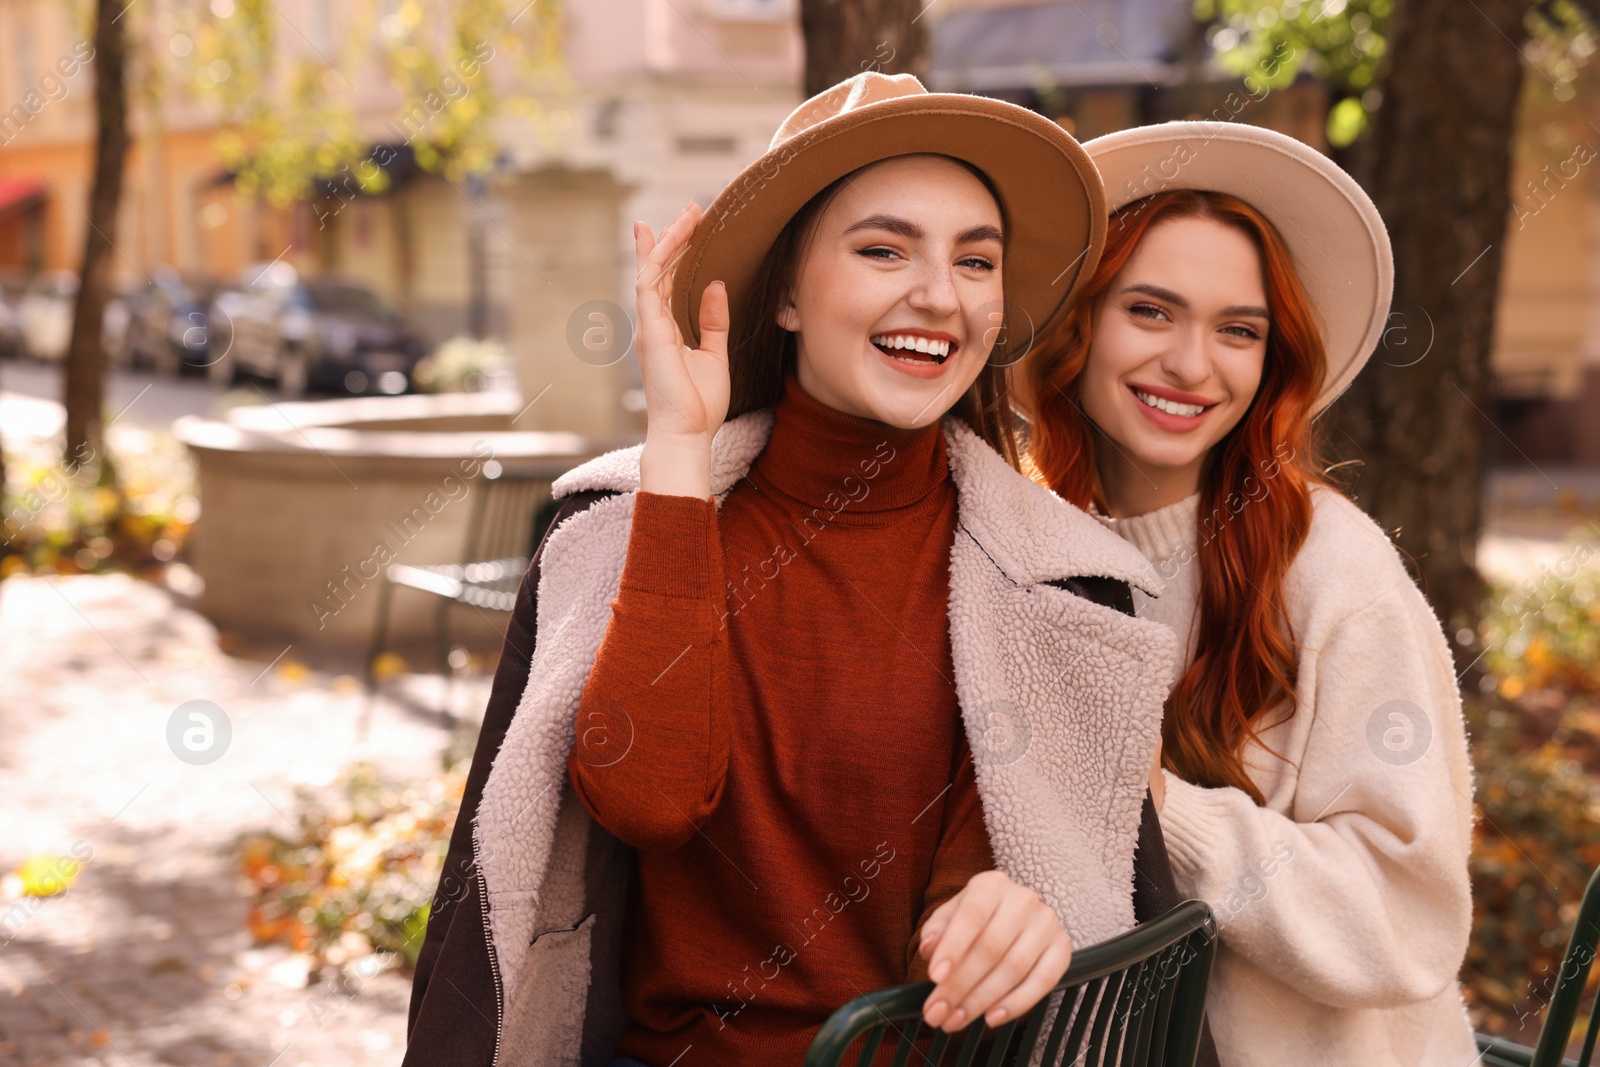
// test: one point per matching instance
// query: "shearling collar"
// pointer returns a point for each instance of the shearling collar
(1061, 699)
(1019, 527)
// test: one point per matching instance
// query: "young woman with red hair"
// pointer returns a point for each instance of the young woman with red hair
(1314, 786)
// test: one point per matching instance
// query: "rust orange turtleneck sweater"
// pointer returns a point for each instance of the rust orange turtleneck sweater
(772, 722)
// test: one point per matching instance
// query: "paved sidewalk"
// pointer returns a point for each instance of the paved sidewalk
(146, 960)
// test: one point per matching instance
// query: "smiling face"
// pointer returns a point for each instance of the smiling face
(1180, 338)
(895, 290)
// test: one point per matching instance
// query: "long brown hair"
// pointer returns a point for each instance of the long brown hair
(762, 354)
(1255, 492)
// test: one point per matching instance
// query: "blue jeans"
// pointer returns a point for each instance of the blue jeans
(627, 1061)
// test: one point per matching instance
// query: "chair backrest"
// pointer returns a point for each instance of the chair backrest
(1136, 1000)
(503, 513)
(1570, 982)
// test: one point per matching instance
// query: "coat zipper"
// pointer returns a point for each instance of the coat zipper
(488, 940)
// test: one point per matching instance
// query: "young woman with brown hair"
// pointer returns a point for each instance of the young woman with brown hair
(1315, 786)
(795, 723)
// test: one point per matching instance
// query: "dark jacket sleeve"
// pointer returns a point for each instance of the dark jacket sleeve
(453, 992)
(1155, 890)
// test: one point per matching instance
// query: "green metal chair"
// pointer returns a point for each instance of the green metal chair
(1136, 1000)
(1556, 1030)
(508, 508)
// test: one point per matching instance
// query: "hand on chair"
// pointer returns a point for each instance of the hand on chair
(994, 950)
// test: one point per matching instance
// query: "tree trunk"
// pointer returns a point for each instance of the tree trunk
(1437, 162)
(845, 37)
(477, 261)
(85, 372)
(5, 533)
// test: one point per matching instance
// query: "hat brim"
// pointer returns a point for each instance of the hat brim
(1333, 230)
(1048, 187)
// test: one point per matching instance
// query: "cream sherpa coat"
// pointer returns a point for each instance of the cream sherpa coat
(1061, 697)
(1343, 903)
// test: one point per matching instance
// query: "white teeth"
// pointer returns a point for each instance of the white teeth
(915, 344)
(1171, 407)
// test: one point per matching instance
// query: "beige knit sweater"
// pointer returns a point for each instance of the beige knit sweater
(1343, 903)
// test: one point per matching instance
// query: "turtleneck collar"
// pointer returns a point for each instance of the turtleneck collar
(867, 471)
(1159, 534)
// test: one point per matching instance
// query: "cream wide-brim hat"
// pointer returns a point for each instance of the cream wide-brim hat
(1333, 230)
(1049, 190)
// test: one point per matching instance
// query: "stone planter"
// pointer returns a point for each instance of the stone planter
(303, 504)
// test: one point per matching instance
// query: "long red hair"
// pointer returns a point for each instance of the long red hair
(1255, 492)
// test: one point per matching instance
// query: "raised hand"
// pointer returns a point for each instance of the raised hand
(686, 389)
(994, 950)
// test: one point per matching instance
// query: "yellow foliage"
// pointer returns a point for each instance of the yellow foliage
(389, 665)
(293, 671)
(47, 876)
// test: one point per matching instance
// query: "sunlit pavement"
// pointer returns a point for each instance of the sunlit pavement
(146, 960)
(30, 397)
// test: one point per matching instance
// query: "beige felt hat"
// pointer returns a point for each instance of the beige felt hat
(1333, 230)
(1049, 189)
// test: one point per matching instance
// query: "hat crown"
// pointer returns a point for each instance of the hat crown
(852, 94)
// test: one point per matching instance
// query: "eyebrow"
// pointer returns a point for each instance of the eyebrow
(1247, 310)
(912, 232)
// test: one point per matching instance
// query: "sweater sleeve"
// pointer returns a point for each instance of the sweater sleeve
(651, 753)
(962, 852)
(1358, 896)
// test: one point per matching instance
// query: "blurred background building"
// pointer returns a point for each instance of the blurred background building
(666, 101)
(662, 106)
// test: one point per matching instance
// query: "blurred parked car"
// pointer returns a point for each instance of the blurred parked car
(44, 316)
(12, 286)
(303, 333)
(169, 323)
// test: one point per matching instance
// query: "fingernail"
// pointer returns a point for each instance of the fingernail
(936, 1013)
(996, 1017)
(957, 1020)
(939, 970)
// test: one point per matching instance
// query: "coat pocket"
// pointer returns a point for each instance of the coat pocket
(544, 1027)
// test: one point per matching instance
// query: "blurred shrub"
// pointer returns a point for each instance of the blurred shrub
(361, 873)
(465, 365)
(1536, 748)
(134, 514)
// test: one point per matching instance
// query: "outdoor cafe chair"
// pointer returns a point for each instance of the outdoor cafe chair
(501, 533)
(1135, 1000)
(1556, 1030)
